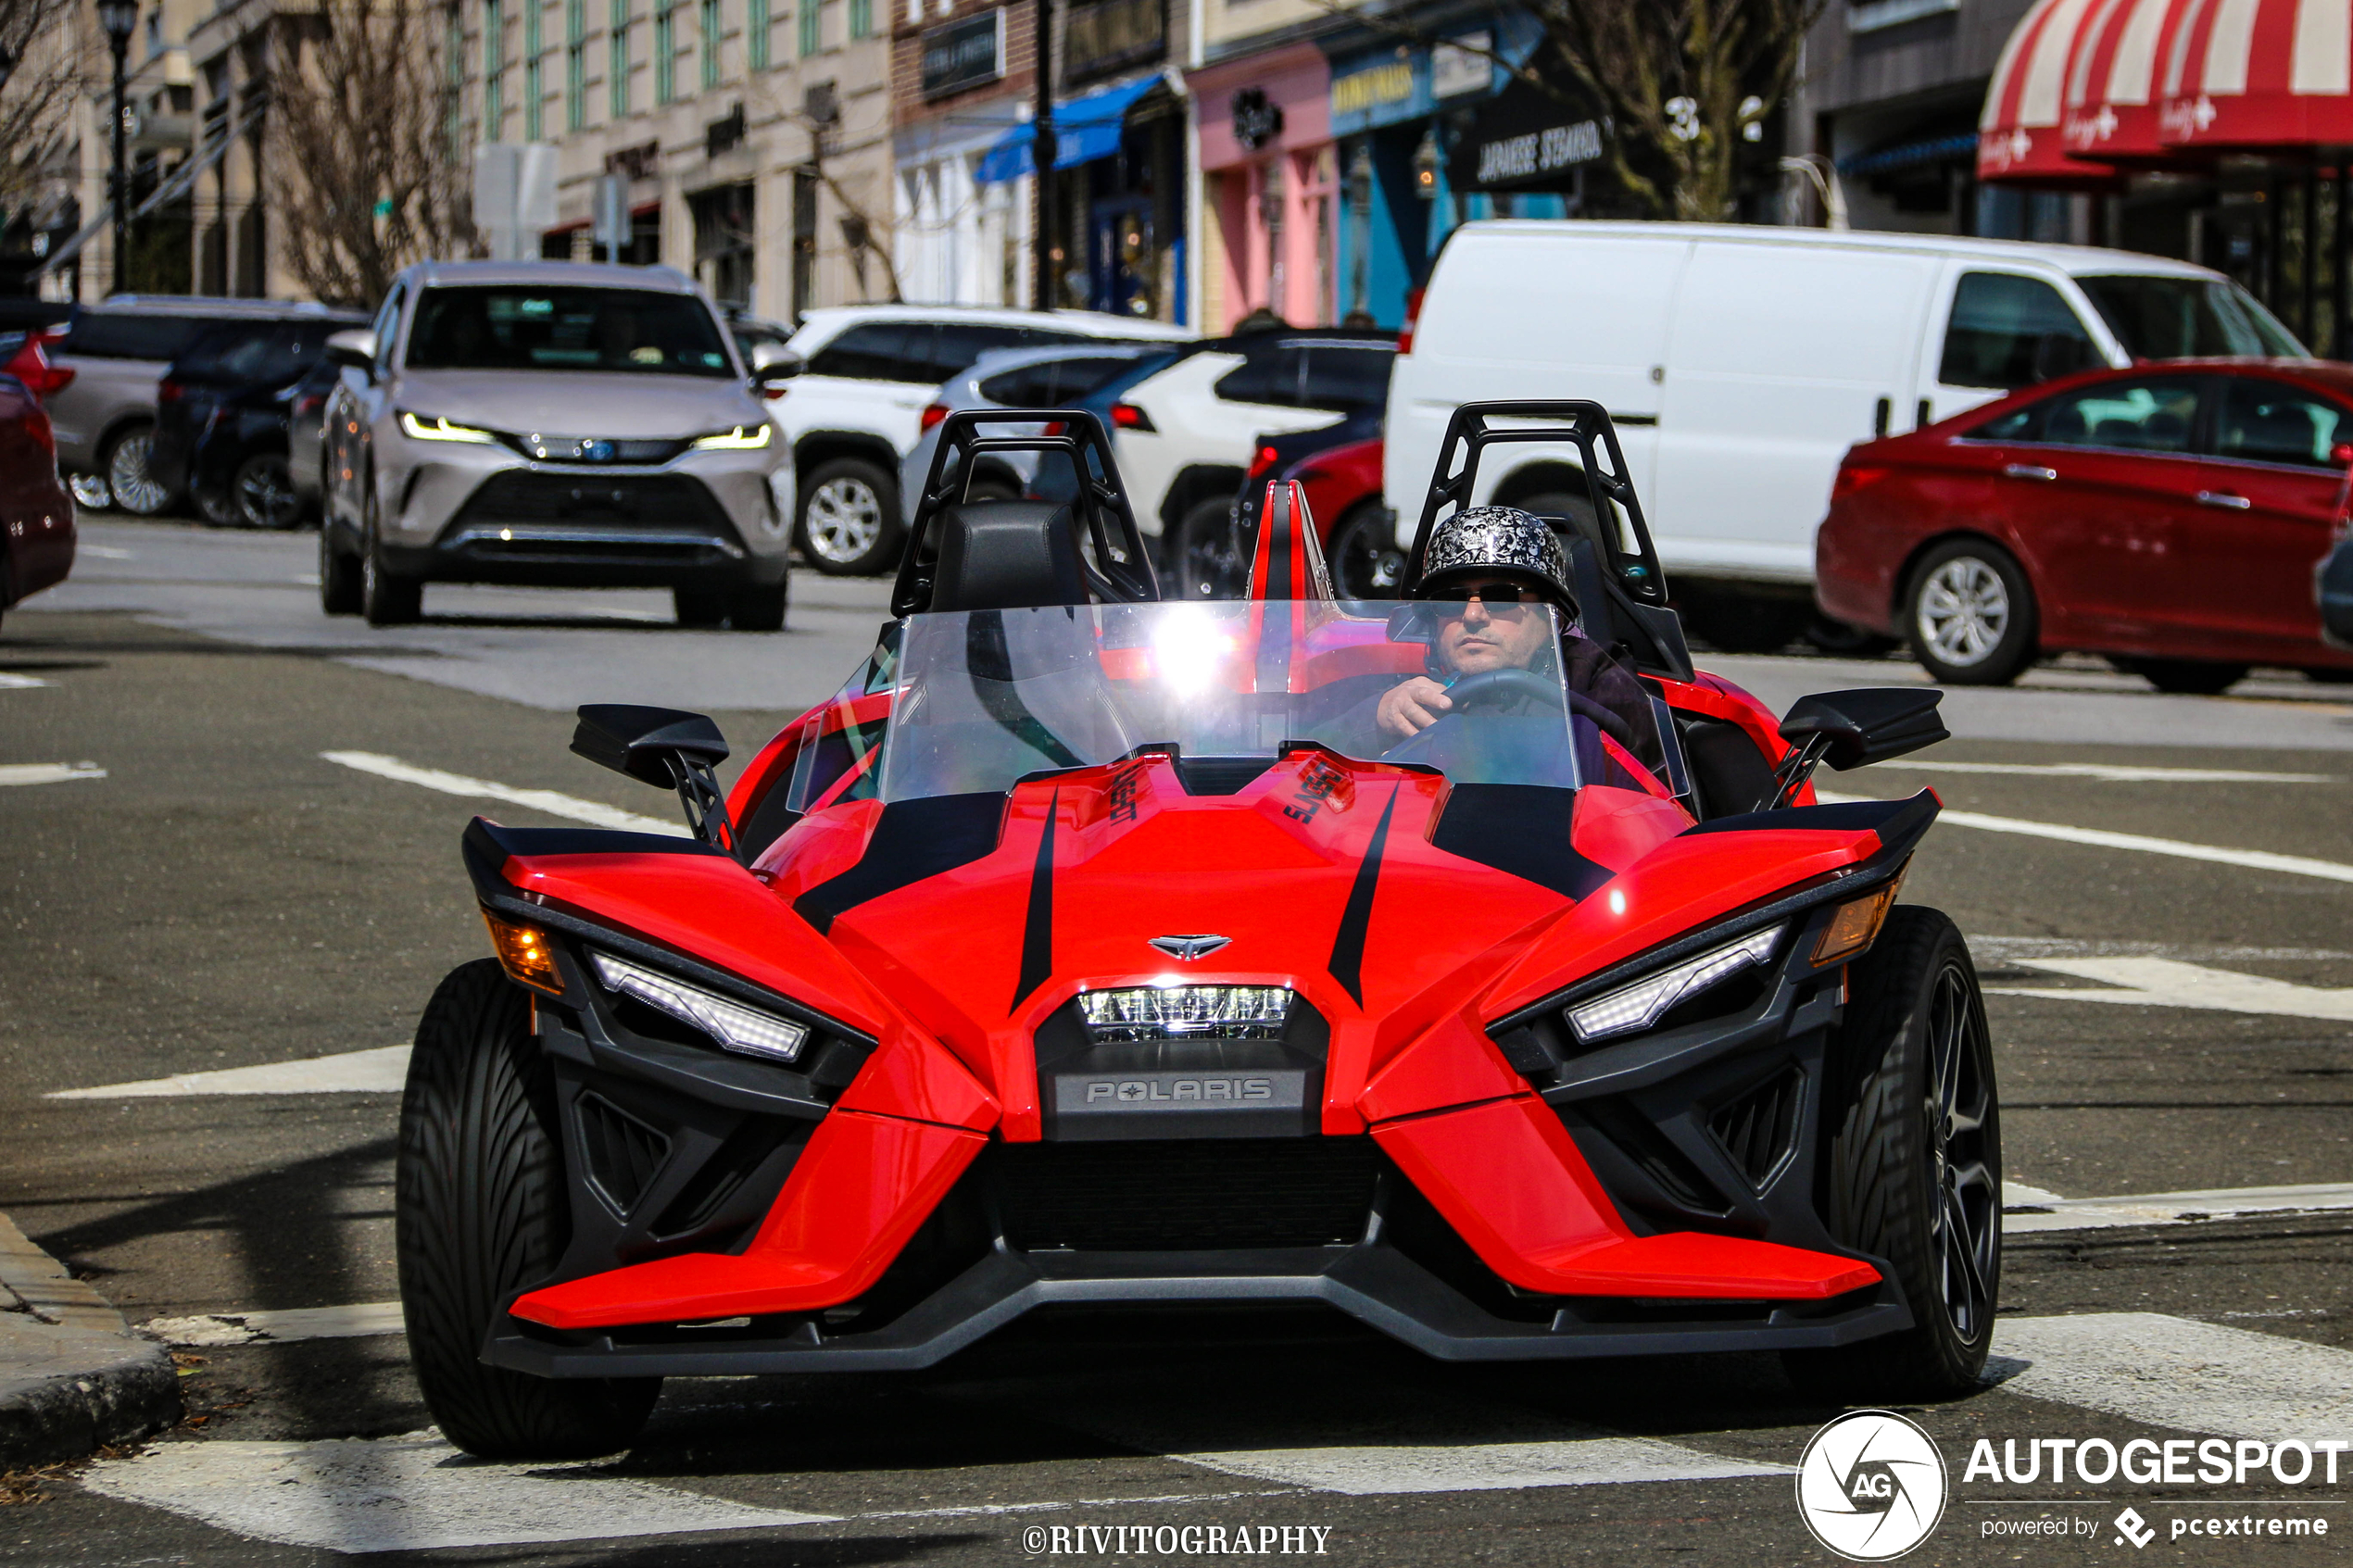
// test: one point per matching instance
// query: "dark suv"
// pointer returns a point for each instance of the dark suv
(223, 415)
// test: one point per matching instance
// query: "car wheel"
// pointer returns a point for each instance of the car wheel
(850, 519)
(1577, 509)
(218, 507)
(385, 598)
(1970, 614)
(1206, 560)
(264, 492)
(338, 575)
(479, 1214)
(1365, 561)
(1732, 622)
(125, 460)
(89, 489)
(700, 606)
(2184, 677)
(1913, 1173)
(754, 608)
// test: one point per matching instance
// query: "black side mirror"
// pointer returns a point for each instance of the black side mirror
(668, 749)
(1851, 729)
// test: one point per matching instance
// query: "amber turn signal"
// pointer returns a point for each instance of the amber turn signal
(1856, 926)
(524, 951)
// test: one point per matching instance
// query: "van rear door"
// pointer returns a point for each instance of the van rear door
(1782, 357)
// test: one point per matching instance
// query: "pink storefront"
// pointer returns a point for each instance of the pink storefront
(1272, 186)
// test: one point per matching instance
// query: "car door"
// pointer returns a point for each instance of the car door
(362, 398)
(2099, 482)
(2269, 494)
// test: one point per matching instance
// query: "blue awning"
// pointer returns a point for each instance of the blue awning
(1085, 129)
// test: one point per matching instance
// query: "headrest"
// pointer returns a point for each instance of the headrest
(1006, 555)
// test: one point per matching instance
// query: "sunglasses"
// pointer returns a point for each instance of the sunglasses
(1496, 598)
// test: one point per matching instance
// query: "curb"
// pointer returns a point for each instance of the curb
(72, 1375)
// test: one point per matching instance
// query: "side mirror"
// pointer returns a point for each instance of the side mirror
(668, 749)
(2341, 454)
(773, 362)
(1851, 729)
(354, 350)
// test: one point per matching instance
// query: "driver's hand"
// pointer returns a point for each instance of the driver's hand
(1410, 706)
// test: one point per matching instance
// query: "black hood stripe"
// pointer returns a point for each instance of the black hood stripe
(1037, 930)
(913, 841)
(1348, 945)
(1524, 830)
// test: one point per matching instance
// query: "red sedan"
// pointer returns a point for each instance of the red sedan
(36, 512)
(2168, 517)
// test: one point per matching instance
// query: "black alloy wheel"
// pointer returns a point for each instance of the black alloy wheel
(1366, 560)
(1912, 1174)
(1969, 615)
(1205, 556)
(264, 490)
(339, 574)
(2183, 677)
(480, 1214)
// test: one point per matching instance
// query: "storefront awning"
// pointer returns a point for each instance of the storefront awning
(2259, 73)
(2044, 80)
(1085, 129)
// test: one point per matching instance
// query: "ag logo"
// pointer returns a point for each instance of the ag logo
(1871, 1485)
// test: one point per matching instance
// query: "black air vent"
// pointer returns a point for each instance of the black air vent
(621, 1152)
(1220, 775)
(1175, 1193)
(1758, 1128)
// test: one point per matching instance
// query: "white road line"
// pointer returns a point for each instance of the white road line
(48, 772)
(1377, 1470)
(2172, 1371)
(102, 552)
(2167, 982)
(19, 683)
(378, 1071)
(2048, 1211)
(407, 1494)
(357, 1321)
(2113, 772)
(2254, 859)
(570, 807)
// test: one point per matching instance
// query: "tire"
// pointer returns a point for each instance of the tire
(2184, 677)
(1912, 1172)
(701, 608)
(1205, 559)
(124, 462)
(1364, 558)
(479, 1214)
(338, 575)
(385, 598)
(848, 524)
(1731, 622)
(264, 493)
(1577, 509)
(218, 507)
(1969, 615)
(1826, 635)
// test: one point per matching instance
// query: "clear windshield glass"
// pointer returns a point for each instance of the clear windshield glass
(983, 698)
(2158, 318)
(511, 327)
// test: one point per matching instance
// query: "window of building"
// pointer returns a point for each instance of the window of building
(494, 68)
(532, 87)
(813, 37)
(711, 42)
(862, 19)
(616, 60)
(756, 21)
(665, 51)
(575, 63)
(454, 50)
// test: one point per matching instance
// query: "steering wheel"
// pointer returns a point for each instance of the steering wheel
(1499, 688)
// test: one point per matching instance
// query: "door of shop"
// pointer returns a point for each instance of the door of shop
(1122, 258)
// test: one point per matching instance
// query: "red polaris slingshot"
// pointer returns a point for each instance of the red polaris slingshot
(1084, 949)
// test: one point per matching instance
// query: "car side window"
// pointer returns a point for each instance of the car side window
(878, 351)
(1270, 377)
(1051, 384)
(132, 336)
(2008, 331)
(2265, 422)
(1344, 378)
(387, 323)
(2138, 415)
(955, 344)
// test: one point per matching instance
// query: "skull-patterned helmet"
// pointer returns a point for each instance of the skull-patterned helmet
(1488, 541)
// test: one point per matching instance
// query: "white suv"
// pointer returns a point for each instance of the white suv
(856, 409)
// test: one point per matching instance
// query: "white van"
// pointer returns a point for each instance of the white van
(1740, 363)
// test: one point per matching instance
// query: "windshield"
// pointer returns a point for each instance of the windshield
(980, 700)
(2157, 318)
(514, 328)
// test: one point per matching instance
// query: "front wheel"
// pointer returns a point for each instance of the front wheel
(480, 1215)
(850, 519)
(1969, 613)
(1913, 1173)
(128, 479)
(1366, 560)
(385, 598)
(1203, 556)
(338, 575)
(264, 493)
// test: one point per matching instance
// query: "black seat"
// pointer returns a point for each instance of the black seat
(1007, 555)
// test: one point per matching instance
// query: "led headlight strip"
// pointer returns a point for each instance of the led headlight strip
(1180, 1012)
(1646, 1001)
(743, 438)
(421, 428)
(744, 1030)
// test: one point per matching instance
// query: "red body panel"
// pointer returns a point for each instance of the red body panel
(37, 510)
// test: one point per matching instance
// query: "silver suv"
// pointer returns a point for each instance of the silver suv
(559, 424)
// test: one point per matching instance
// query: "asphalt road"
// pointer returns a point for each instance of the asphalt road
(226, 898)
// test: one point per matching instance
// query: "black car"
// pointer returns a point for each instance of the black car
(222, 415)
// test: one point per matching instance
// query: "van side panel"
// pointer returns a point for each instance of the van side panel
(1777, 363)
(1515, 315)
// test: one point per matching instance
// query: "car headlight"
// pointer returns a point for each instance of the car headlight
(1185, 1012)
(743, 438)
(1646, 1001)
(422, 429)
(744, 1030)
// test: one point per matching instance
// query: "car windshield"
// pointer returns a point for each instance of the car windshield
(976, 701)
(2158, 318)
(509, 327)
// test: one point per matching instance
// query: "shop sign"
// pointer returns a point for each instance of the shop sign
(1109, 34)
(1461, 66)
(640, 162)
(963, 53)
(1256, 121)
(1535, 153)
(1526, 138)
(1363, 95)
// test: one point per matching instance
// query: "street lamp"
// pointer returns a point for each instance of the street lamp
(120, 20)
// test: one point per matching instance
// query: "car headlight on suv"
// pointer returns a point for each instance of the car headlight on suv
(420, 427)
(743, 438)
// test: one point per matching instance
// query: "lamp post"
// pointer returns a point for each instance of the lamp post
(1041, 157)
(120, 20)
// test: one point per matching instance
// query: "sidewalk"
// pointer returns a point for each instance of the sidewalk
(71, 1374)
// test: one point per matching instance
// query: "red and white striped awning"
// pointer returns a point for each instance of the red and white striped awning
(2259, 73)
(2074, 93)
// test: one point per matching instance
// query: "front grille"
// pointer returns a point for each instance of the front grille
(621, 1152)
(667, 502)
(1191, 1193)
(1758, 1128)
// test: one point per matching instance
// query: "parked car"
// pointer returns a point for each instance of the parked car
(856, 411)
(1741, 363)
(119, 350)
(37, 510)
(25, 356)
(552, 422)
(306, 435)
(223, 417)
(1187, 435)
(1078, 375)
(2167, 516)
(1339, 469)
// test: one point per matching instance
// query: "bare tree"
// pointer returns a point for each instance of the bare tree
(41, 73)
(362, 123)
(864, 233)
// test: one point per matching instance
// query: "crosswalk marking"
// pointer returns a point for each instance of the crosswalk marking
(2173, 1371)
(48, 772)
(19, 682)
(2164, 1208)
(569, 807)
(381, 1071)
(2111, 772)
(1386, 1470)
(2141, 982)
